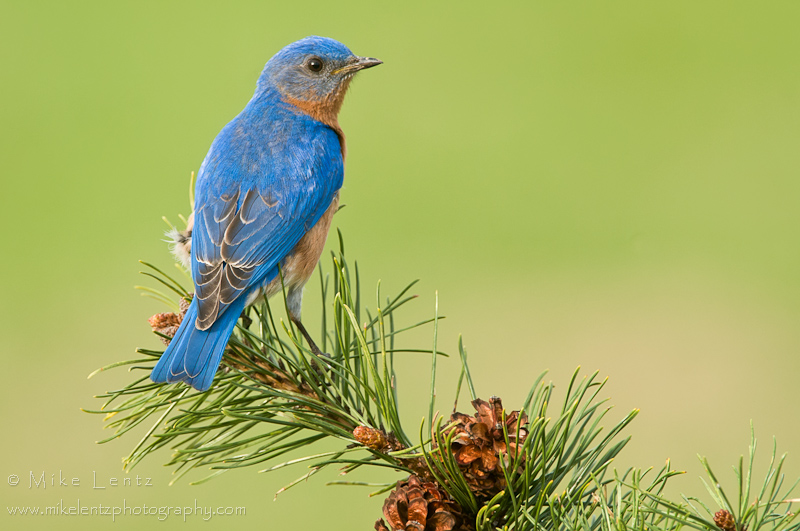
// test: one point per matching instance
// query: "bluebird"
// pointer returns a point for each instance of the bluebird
(264, 199)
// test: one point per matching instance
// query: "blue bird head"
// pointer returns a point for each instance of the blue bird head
(313, 74)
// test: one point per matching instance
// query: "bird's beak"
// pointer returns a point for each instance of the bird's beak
(366, 62)
(358, 63)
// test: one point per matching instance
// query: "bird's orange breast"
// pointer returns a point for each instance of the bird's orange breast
(300, 264)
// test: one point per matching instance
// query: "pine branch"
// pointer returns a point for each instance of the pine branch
(273, 395)
(534, 468)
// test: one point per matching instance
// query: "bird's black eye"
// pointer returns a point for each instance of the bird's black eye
(314, 64)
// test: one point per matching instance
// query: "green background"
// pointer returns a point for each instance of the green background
(605, 184)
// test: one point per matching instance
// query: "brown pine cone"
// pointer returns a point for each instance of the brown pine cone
(724, 520)
(416, 505)
(479, 444)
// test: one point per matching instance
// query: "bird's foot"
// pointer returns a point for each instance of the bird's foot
(313, 346)
(317, 352)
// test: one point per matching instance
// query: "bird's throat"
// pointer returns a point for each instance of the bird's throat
(324, 110)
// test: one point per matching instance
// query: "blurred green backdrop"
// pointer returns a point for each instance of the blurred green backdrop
(606, 184)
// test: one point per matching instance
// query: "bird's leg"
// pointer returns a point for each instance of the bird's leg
(294, 302)
(314, 348)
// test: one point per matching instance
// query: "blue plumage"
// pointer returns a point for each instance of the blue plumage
(264, 197)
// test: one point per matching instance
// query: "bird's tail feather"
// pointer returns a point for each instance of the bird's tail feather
(193, 356)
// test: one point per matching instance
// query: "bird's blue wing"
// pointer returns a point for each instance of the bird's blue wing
(252, 209)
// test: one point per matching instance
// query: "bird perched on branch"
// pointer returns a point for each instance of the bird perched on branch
(265, 196)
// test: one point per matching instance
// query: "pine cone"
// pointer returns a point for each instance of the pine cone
(416, 505)
(724, 520)
(479, 444)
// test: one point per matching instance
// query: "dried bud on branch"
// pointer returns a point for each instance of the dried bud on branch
(371, 438)
(168, 323)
